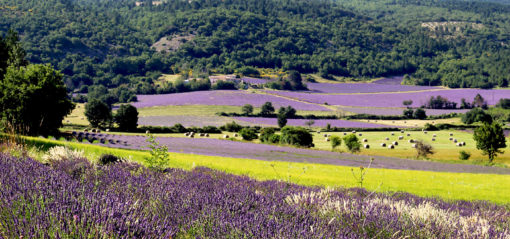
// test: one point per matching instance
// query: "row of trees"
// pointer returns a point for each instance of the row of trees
(99, 114)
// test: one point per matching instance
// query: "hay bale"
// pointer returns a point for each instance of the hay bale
(413, 145)
(400, 137)
(455, 140)
(392, 134)
(345, 133)
(318, 132)
(401, 131)
(327, 139)
(354, 131)
(326, 135)
(391, 146)
(206, 135)
(147, 132)
(226, 136)
(236, 135)
(387, 138)
(383, 145)
(425, 132)
(395, 143)
(201, 135)
(459, 144)
(411, 141)
(433, 139)
(463, 143)
(451, 134)
(451, 138)
(186, 134)
(192, 136)
(366, 146)
(107, 130)
(93, 130)
(365, 140)
(408, 135)
(360, 134)
(434, 135)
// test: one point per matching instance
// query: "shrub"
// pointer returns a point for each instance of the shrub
(266, 134)
(231, 127)
(106, 159)
(159, 157)
(335, 142)
(504, 103)
(297, 136)
(282, 120)
(423, 149)
(247, 109)
(127, 118)
(463, 155)
(61, 153)
(476, 115)
(352, 143)
(274, 139)
(248, 134)
(419, 114)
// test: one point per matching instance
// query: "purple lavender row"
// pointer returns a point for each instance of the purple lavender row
(395, 99)
(317, 123)
(73, 199)
(222, 97)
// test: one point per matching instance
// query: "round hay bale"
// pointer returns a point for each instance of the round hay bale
(400, 137)
(451, 138)
(236, 135)
(326, 135)
(401, 131)
(186, 134)
(433, 139)
(327, 139)
(425, 132)
(391, 146)
(345, 133)
(408, 135)
(226, 136)
(366, 146)
(206, 135)
(107, 130)
(434, 135)
(455, 140)
(360, 134)
(463, 143)
(395, 143)
(365, 140)
(192, 136)
(392, 134)
(387, 138)
(413, 145)
(318, 132)
(383, 145)
(147, 132)
(459, 144)
(354, 131)
(451, 134)
(411, 141)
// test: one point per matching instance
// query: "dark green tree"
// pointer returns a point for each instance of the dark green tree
(490, 138)
(419, 114)
(288, 111)
(127, 118)
(98, 113)
(352, 143)
(266, 134)
(297, 136)
(33, 99)
(247, 109)
(408, 113)
(267, 109)
(282, 120)
(335, 142)
(248, 134)
(476, 115)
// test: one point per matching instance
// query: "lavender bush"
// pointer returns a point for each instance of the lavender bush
(74, 199)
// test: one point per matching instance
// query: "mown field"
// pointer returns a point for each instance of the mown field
(455, 186)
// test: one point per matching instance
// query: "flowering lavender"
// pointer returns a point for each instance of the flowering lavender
(74, 199)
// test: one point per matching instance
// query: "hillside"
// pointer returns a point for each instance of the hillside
(105, 42)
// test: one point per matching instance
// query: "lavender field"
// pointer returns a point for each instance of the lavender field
(317, 123)
(397, 111)
(222, 97)
(394, 99)
(235, 149)
(348, 88)
(187, 121)
(73, 199)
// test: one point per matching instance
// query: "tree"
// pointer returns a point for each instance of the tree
(98, 113)
(297, 136)
(352, 143)
(127, 118)
(248, 134)
(479, 101)
(408, 113)
(335, 142)
(504, 103)
(419, 114)
(266, 134)
(423, 149)
(282, 120)
(476, 115)
(267, 109)
(490, 138)
(309, 123)
(288, 111)
(247, 109)
(33, 99)
(407, 103)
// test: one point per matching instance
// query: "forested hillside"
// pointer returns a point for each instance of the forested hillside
(109, 42)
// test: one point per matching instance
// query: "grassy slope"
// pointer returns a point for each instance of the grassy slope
(445, 149)
(456, 186)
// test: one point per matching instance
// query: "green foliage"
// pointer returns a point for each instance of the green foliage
(127, 118)
(423, 150)
(267, 109)
(463, 155)
(440, 102)
(266, 134)
(248, 71)
(274, 139)
(106, 159)
(98, 113)
(224, 85)
(490, 138)
(419, 114)
(407, 103)
(408, 113)
(282, 120)
(231, 127)
(248, 134)
(288, 111)
(309, 123)
(476, 115)
(297, 136)
(247, 109)
(504, 103)
(159, 157)
(33, 99)
(352, 143)
(336, 141)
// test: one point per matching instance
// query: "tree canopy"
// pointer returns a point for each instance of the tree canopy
(490, 138)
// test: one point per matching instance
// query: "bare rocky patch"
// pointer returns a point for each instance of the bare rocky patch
(172, 43)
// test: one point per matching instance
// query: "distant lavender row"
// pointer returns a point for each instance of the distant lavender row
(362, 88)
(226, 148)
(395, 99)
(73, 199)
(395, 111)
(186, 121)
(317, 123)
(222, 97)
